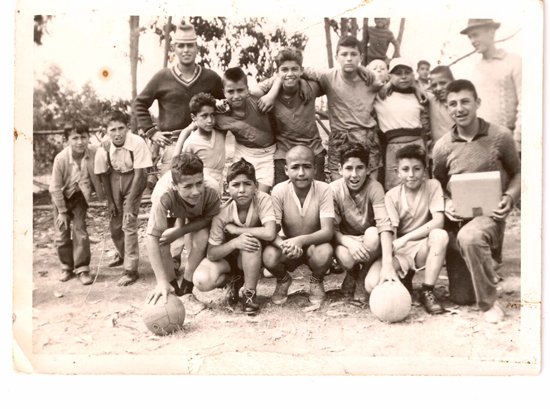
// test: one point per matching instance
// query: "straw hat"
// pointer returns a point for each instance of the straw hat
(480, 22)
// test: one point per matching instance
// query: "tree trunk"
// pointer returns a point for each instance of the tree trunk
(329, 43)
(401, 30)
(343, 27)
(365, 39)
(353, 26)
(134, 53)
(167, 29)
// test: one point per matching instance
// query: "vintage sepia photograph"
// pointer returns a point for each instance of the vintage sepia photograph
(278, 193)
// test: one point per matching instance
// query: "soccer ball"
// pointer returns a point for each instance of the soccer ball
(163, 319)
(390, 302)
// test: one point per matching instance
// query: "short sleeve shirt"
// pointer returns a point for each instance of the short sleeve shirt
(353, 216)
(166, 201)
(407, 217)
(295, 219)
(121, 157)
(212, 152)
(254, 130)
(259, 213)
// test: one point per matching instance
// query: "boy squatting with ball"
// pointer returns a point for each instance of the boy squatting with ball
(304, 209)
(237, 238)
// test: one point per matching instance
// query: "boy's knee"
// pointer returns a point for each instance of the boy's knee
(439, 237)
(371, 238)
(344, 258)
(271, 256)
(322, 254)
(470, 237)
(201, 279)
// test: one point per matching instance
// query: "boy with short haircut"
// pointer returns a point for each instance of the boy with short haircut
(400, 117)
(253, 130)
(440, 120)
(73, 181)
(350, 100)
(474, 145)
(295, 119)
(380, 71)
(304, 209)
(380, 37)
(361, 221)
(236, 239)
(416, 208)
(202, 138)
(194, 203)
(423, 71)
(121, 166)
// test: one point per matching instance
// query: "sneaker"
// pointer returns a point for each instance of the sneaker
(316, 292)
(192, 305)
(128, 278)
(494, 315)
(280, 295)
(118, 261)
(232, 289)
(428, 300)
(348, 285)
(360, 294)
(86, 278)
(66, 275)
(250, 306)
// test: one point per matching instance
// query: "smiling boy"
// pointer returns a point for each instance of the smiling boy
(194, 203)
(474, 145)
(304, 209)
(362, 228)
(440, 119)
(236, 239)
(121, 166)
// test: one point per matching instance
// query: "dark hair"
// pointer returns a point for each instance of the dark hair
(411, 152)
(289, 54)
(199, 100)
(116, 116)
(186, 163)
(443, 70)
(354, 150)
(234, 74)
(76, 126)
(241, 167)
(349, 41)
(461, 85)
(422, 62)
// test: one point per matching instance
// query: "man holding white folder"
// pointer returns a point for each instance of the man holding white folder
(474, 146)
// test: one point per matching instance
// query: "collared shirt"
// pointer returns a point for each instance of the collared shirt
(196, 73)
(74, 174)
(259, 213)
(349, 101)
(295, 219)
(353, 216)
(491, 149)
(407, 217)
(498, 82)
(121, 158)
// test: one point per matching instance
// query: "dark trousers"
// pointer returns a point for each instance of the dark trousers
(73, 244)
(280, 175)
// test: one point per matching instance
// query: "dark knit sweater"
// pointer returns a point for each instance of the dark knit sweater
(492, 148)
(173, 96)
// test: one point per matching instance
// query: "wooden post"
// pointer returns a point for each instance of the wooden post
(167, 29)
(343, 27)
(401, 30)
(353, 26)
(329, 43)
(365, 39)
(134, 55)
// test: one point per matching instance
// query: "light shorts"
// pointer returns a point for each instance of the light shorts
(216, 175)
(406, 257)
(261, 158)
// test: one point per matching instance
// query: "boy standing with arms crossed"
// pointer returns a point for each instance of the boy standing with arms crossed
(474, 145)
(235, 244)
(304, 209)
(73, 181)
(121, 167)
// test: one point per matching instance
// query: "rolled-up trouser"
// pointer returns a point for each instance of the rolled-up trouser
(391, 177)
(469, 260)
(73, 251)
(365, 136)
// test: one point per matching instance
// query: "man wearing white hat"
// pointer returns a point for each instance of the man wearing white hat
(497, 78)
(174, 87)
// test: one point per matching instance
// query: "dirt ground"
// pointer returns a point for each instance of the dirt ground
(69, 318)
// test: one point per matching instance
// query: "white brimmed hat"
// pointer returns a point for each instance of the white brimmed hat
(185, 33)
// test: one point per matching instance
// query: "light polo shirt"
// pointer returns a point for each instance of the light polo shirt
(212, 152)
(407, 217)
(349, 102)
(440, 119)
(397, 111)
(166, 201)
(295, 121)
(298, 220)
(259, 213)
(355, 215)
(253, 130)
(121, 158)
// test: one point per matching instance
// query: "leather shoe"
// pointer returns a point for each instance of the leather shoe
(129, 277)
(85, 278)
(118, 261)
(66, 275)
(428, 300)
